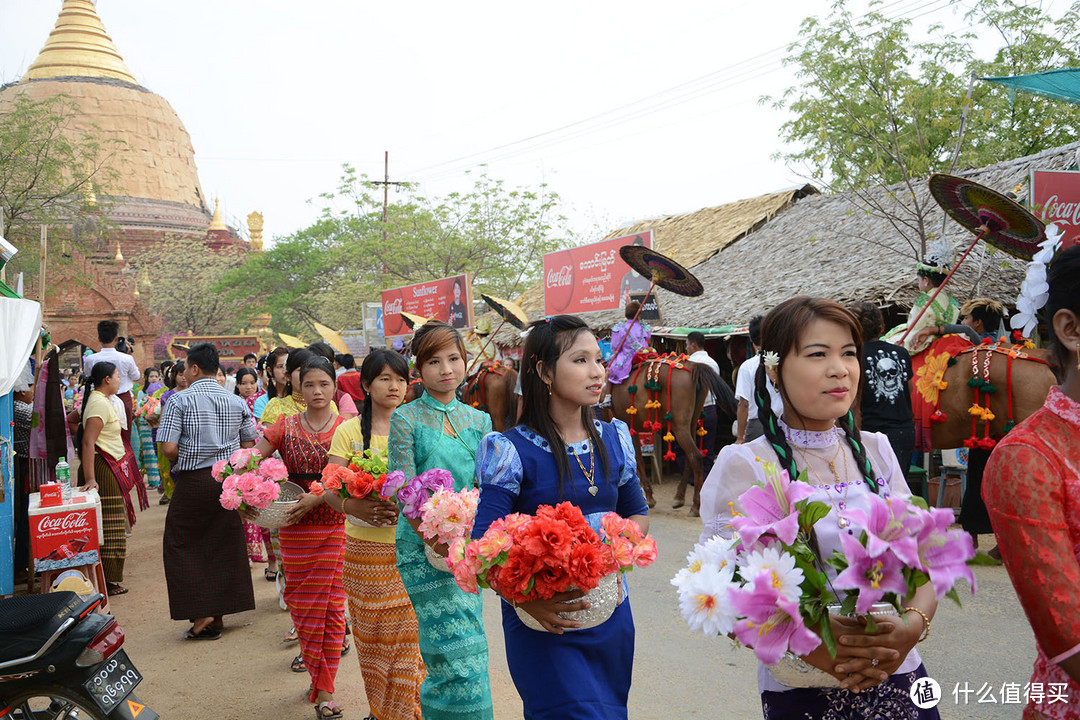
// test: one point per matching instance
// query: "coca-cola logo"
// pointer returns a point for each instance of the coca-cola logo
(70, 521)
(560, 277)
(1056, 211)
(394, 306)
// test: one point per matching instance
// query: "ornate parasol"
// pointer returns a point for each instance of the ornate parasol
(332, 338)
(510, 313)
(293, 342)
(413, 321)
(993, 217)
(661, 270)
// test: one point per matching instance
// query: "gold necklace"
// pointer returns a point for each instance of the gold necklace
(590, 474)
(312, 430)
(841, 521)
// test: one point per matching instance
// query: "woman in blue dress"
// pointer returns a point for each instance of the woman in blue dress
(582, 674)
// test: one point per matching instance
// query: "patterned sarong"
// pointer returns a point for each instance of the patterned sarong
(314, 555)
(113, 524)
(384, 630)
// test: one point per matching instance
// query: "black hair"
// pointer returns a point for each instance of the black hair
(107, 330)
(268, 368)
(146, 376)
(101, 370)
(780, 332)
(346, 360)
(546, 342)
(250, 355)
(165, 366)
(697, 337)
(176, 368)
(372, 367)
(298, 358)
(243, 373)
(322, 349)
(205, 357)
(987, 313)
(754, 328)
(870, 320)
(1063, 276)
(318, 363)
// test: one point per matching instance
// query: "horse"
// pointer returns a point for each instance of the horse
(491, 389)
(671, 389)
(984, 390)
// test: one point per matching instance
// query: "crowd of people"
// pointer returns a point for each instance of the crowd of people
(352, 573)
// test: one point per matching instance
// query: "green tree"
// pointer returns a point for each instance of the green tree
(875, 112)
(327, 270)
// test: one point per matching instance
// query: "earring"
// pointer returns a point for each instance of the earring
(1078, 357)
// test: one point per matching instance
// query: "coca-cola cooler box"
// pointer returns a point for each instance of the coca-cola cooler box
(67, 535)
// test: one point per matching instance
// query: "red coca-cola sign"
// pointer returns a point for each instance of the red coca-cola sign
(62, 537)
(448, 299)
(1055, 198)
(592, 277)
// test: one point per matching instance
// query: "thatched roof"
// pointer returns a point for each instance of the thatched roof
(689, 239)
(827, 246)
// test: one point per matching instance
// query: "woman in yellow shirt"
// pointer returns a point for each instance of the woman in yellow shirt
(105, 466)
(384, 624)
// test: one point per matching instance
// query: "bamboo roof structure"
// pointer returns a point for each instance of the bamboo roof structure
(828, 246)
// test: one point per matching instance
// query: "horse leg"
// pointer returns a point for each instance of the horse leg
(643, 475)
(695, 464)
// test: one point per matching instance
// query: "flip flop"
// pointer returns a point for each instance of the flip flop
(270, 575)
(328, 711)
(297, 665)
(207, 633)
(114, 589)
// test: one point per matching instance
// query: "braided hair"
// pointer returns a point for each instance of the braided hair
(98, 374)
(780, 333)
(373, 366)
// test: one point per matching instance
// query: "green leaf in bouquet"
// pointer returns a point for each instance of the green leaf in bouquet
(825, 628)
(847, 607)
(810, 512)
(813, 579)
(837, 561)
(919, 501)
(952, 595)
(871, 624)
(982, 559)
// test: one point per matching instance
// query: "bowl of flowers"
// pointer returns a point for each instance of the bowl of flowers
(257, 484)
(412, 494)
(364, 476)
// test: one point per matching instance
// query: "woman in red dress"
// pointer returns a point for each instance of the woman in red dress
(313, 543)
(1032, 491)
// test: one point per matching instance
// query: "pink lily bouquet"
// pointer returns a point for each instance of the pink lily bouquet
(448, 515)
(412, 493)
(249, 480)
(767, 586)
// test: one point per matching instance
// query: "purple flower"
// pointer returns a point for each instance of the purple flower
(871, 576)
(770, 508)
(436, 479)
(944, 553)
(770, 624)
(412, 498)
(394, 482)
(892, 524)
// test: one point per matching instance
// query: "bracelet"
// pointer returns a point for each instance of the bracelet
(926, 630)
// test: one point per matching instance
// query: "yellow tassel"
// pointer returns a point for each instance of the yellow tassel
(942, 385)
(988, 416)
(975, 410)
(702, 432)
(669, 437)
(631, 410)
(1028, 345)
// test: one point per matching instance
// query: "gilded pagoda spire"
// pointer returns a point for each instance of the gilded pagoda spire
(79, 47)
(216, 222)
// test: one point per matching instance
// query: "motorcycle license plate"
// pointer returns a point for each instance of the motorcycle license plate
(112, 681)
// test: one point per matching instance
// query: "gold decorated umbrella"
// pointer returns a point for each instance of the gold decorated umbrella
(292, 342)
(509, 312)
(413, 321)
(333, 338)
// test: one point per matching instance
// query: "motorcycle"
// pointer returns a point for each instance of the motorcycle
(61, 660)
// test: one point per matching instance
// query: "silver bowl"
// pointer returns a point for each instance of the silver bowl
(604, 599)
(276, 515)
(436, 560)
(792, 671)
(357, 522)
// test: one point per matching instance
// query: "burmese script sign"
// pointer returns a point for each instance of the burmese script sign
(231, 348)
(592, 277)
(447, 299)
(1055, 198)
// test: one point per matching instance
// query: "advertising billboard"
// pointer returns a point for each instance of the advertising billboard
(231, 348)
(592, 277)
(1055, 198)
(448, 299)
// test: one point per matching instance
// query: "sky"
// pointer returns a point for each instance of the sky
(629, 110)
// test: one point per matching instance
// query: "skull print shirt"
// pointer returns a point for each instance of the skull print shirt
(886, 401)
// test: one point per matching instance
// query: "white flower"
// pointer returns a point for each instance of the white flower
(1034, 291)
(771, 359)
(785, 577)
(714, 557)
(705, 604)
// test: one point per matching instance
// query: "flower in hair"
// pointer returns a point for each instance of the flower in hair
(771, 359)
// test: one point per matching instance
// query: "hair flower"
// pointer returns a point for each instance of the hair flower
(771, 359)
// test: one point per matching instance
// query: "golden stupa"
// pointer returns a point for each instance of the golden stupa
(158, 185)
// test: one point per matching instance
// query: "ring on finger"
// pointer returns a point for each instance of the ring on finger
(874, 662)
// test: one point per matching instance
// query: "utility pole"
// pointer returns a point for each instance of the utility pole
(385, 182)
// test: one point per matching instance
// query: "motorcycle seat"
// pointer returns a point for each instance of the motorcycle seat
(28, 621)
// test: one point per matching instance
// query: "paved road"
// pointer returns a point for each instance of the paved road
(245, 675)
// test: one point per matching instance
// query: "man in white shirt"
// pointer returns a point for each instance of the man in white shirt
(747, 423)
(108, 332)
(695, 347)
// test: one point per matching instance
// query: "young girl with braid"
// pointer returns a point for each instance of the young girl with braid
(811, 350)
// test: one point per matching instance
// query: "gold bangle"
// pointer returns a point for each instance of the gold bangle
(926, 630)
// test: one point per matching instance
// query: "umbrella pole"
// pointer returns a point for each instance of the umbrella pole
(634, 320)
(982, 233)
(468, 373)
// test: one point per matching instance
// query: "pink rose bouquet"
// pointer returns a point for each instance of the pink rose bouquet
(767, 587)
(247, 480)
(448, 515)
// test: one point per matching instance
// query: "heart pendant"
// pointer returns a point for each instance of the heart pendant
(593, 490)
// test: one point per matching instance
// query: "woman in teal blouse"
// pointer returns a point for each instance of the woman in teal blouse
(438, 431)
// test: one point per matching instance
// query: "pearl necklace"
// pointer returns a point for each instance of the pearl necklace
(841, 521)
